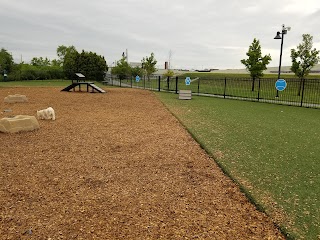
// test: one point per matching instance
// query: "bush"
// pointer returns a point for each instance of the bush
(28, 72)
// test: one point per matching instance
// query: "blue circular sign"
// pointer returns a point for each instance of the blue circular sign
(137, 78)
(188, 81)
(281, 84)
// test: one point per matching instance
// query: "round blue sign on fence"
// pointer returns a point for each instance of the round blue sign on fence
(137, 78)
(188, 81)
(281, 84)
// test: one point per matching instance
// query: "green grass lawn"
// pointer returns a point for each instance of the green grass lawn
(272, 151)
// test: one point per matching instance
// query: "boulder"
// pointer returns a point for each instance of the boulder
(15, 98)
(18, 123)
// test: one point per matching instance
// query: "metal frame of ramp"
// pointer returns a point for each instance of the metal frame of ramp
(88, 84)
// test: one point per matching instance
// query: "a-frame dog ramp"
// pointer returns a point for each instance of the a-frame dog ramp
(94, 88)
(79, 81)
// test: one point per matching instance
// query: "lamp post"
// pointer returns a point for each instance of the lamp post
(278, 36)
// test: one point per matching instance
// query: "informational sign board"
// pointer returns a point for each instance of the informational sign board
(80, 75)
(137, 78)
(281, 84)
(188, 81)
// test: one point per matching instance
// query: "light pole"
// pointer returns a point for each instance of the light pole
(283, 32)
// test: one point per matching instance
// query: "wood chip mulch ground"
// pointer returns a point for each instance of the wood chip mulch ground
(114, 166)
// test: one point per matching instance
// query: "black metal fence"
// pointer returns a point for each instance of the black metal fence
(303, 93)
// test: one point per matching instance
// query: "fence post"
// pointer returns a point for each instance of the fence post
(198, 86)
(120, 82)
(259, 91)
(302, 94)
(168, 81)
(131, 81)
(159, 83)
(144, 82)
(176, 84)
(225, 87)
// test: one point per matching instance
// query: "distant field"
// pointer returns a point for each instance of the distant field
(271, 150)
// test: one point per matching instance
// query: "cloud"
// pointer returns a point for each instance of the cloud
(205, 33)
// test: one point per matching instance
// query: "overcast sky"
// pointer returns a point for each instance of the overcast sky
(199, 34)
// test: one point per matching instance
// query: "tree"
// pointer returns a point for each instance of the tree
(6, 61)
(55, 63)
(168, 73)
(92, 65)
(122, 69)
(136, 71)
(304, 58)
(40, 61)
(70, 64)
(256, 64)
(149, 65)
(62, 52)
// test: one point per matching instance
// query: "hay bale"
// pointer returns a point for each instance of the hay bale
(18, 123)
(15, 98)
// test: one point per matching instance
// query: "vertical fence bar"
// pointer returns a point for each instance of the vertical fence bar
(131, 81)
(159, 83)
(168, 81)
(198, 86)
(259, 86)
(225, 87)
(302, 94)
(176, 84)
(144, 82)
(120, 82)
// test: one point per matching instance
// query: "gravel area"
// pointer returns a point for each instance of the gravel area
(115, 166)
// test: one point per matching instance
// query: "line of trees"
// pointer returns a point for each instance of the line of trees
(94, 66)
(303, 59)
(69, 61)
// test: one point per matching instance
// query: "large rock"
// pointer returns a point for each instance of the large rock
(15, 98)
(18, 123)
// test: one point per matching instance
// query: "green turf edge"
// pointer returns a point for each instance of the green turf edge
(251, 199)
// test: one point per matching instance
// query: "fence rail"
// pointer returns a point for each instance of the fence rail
(303, 93)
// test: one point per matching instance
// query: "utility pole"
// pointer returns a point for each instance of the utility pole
(170, 54)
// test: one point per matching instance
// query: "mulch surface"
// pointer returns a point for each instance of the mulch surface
(115, 166)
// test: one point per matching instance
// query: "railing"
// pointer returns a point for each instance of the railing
(303, 93)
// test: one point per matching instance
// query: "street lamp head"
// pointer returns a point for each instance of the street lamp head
(278, 36)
